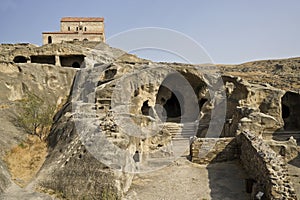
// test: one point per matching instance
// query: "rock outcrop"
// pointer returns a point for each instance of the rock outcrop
(125, 115)
(51, 83)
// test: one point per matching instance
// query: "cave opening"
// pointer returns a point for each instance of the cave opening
(172, 107)
(285, 111)
(20, 59)
(290, 111)
(74, 61)
(76, 65)
(110, 73)
(43, 59)
(180, 98)
(201, 102)
(145, 108)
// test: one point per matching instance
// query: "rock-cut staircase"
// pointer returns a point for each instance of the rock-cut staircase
(179, 147)
(181, 134)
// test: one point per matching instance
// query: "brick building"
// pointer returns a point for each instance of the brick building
(77, 29)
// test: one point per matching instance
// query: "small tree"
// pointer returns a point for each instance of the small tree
(35, 115)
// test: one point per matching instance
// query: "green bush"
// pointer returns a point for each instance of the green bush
(35, 115)
(109, 194)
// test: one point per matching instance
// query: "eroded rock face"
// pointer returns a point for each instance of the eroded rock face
(124, 113)
(72, 170)
(49, 82)
(262, 110)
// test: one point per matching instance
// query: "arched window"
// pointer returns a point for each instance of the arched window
(69, 28)
(84, 28)
(85, 40)
(76, 28)
(49, 39)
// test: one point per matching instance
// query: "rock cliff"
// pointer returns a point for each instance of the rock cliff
(123, 115)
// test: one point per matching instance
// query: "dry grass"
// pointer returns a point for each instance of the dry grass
(25, 160)
(4, 106)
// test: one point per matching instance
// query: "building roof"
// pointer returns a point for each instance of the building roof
(82, 19)
(75, 33)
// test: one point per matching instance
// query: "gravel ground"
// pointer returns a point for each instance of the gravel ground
(189, 181)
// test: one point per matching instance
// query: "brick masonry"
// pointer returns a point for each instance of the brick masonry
(77, 29)
(213, 150)
(266, 169)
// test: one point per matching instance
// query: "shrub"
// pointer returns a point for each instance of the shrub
(35, 115)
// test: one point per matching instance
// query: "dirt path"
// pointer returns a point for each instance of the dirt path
(188, 181)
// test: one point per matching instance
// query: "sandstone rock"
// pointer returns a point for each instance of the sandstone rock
(121, 105)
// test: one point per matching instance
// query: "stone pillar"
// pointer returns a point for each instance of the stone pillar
(57, 61)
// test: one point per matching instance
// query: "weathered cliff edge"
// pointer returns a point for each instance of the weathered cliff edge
(92, 144)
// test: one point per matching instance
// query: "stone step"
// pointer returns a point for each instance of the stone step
(183, 135)
(187, 131)
(181, 138)
(294, 134)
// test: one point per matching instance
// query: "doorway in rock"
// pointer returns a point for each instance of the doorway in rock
(76, 65)
(176, 100)
(43, 59)
(172, 107)
(285, 111)
(290, 111)
(20, 59)
(71, 60)
(170, 103)
(145, 108)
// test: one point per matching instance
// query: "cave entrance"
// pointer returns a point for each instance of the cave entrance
(74, 61)
(20, 59)
(43, 59)
(171, 104)
(76, 65)
(285, 111)
(290, 111)
(177, 100)
(145, 108)
(172, 107)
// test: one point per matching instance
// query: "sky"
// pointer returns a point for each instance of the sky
(230, 32)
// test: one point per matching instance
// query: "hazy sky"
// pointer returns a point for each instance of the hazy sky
(230, 31)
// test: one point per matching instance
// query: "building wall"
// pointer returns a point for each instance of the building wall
(77, 30)
(265, 167)
(210, 150)
(59, 37)
(90, 27)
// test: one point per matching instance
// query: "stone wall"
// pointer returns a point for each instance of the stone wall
(267, 170)
(213, 150)
(77, 29)
(287, 149)
(59, 37)
(86, 26)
